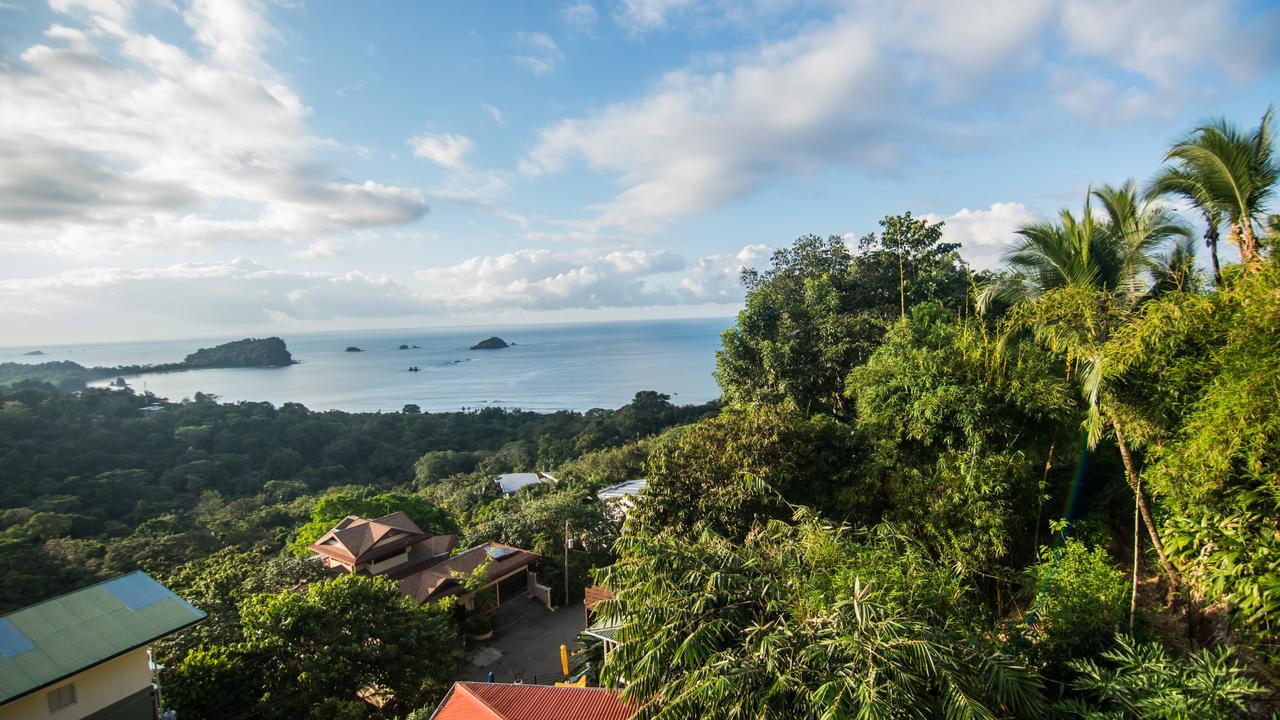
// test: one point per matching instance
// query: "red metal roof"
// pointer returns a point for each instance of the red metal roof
(500, 701)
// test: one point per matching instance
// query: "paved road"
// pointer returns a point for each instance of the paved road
(529, 637)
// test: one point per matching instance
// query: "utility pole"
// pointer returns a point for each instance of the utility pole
(567, 542)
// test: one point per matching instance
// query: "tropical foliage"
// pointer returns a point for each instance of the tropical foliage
(1230, 176)
(1103, 428)
(331, 508)
(800, 621)
(1078, 601)
(90, 487)
(960, 435)
(745, 465)
(932, 492)
(1141, 680)
(298, 651)
(821, 309)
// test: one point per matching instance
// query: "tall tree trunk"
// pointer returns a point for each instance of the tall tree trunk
(1242, 235)
(902, 287)
(1044, 483)
(1248, 244)
(1135, 484)
(1137, 542)
(1211, 239)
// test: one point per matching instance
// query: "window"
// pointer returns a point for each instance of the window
(62, 697)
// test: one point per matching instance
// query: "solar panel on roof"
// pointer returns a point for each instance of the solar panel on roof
(498, 553)
(64, 635)
(12, 641)
(137, 591)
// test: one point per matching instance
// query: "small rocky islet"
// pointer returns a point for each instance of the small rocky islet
(493, 343)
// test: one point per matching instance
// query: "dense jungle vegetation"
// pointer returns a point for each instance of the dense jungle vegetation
(1048, 491)
(1051, 490)
(220, 500)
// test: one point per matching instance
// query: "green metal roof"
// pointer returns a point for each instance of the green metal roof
(49, 641)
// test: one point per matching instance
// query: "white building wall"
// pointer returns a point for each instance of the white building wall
(96, 688)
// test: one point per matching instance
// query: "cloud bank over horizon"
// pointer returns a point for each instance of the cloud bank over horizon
(241, 294)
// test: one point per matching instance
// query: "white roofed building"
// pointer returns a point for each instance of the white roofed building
(509, 483)
(622, 497)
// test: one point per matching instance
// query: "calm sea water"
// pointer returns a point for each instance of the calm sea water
(550, 367)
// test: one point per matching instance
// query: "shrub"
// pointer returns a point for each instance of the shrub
(1079, 602)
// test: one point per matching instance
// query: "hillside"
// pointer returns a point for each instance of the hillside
(68, 375)
(250, 352)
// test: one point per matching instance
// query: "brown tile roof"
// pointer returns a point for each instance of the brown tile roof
(441, 578)
(500, 701)
(356, 540)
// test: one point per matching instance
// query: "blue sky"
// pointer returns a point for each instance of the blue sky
(175, 168)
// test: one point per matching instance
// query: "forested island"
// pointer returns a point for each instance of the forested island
(1051, 490)
(67, 375)
(250, 352)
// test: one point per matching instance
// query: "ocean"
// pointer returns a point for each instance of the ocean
(549, 367)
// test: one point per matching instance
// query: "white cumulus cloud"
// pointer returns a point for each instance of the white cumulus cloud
(702, 139)
(640, 16)
(878, 89)
(236, 295)
(495, 113)
(586, 279)
(984, 235)
(444, 149)
(1161, 40)
(717, 278)
(110, 136)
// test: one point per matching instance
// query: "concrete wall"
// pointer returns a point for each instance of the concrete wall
(96, 688)
(540, 592)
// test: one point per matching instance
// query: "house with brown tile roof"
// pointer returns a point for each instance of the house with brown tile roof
(500, 701)
(507, 572)
(394, 547)
(385, 545)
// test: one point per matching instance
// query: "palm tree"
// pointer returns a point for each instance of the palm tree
(1138, 229)
(1229, 175)
(1111, 255)
(1176, 270)
(1072, 283)
(1177, 182)
(1050, 255)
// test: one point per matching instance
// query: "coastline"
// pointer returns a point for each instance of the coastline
(549, 368)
